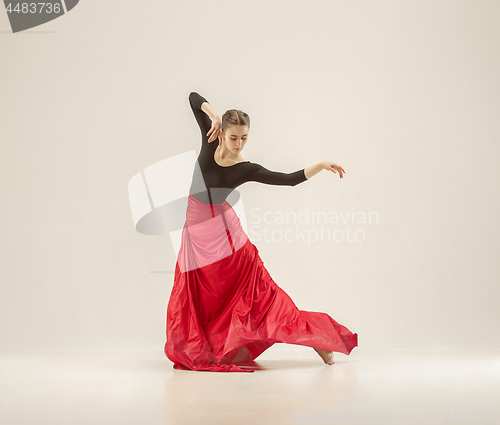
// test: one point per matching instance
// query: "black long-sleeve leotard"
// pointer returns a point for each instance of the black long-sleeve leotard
(219, 181)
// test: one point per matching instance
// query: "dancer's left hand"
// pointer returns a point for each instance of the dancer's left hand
(331, 166)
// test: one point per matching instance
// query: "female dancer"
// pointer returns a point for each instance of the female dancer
(225, 309)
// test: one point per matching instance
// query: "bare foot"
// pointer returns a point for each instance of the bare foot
(243, 355)
(327, 356)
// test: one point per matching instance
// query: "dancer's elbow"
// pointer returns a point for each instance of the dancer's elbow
(299, 177)
(295, 182)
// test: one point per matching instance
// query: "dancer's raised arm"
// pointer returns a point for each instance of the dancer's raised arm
(202, 110)
(323, 165)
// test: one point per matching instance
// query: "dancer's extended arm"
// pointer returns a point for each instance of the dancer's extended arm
(263, 175)
(323, 165)
(203, 110)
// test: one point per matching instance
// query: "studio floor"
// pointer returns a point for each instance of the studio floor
(291, 386)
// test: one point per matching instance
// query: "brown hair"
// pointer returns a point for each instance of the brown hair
(234, 117)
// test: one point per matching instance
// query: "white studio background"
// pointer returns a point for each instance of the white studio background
(403, 94)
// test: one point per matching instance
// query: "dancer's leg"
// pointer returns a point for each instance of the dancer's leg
(327, 356)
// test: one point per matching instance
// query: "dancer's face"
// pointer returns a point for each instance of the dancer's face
(235, 138)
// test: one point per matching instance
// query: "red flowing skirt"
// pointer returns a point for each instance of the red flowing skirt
(223, 299)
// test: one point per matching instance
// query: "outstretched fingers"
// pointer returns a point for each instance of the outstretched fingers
(338, 168)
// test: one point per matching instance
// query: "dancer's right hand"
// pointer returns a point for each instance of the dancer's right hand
(215, 130)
